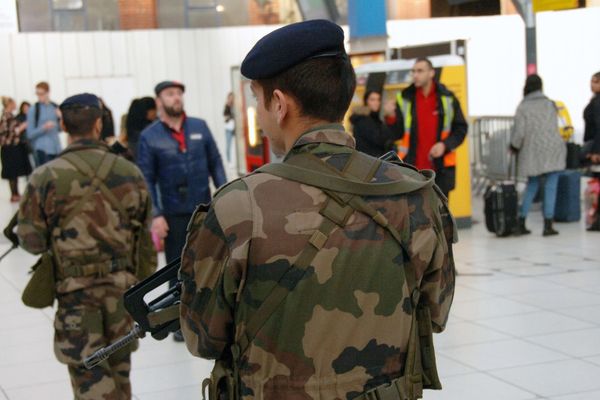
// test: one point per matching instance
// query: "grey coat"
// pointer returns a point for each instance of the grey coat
(536, 136)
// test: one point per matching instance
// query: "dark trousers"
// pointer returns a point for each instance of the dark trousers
(41, 157)
(176, 236)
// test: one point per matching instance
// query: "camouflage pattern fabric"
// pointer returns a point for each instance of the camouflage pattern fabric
(87, 320)
(90, 313)
(98, 233)
(345, 327)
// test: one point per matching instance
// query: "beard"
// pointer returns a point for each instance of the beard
(175, 112)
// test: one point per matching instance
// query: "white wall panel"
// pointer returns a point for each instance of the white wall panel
(102, 54)
(568, 57)
(70, 55)
(24, 85)
(55, 63)
(37, 57)
(7, 82)
(87, 54)
(173, 54)
(156, 58)
(118, 47)
(140, 51)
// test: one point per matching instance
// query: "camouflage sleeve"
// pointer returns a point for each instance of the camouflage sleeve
(32, 222)
(437, 285)
(147, 258)
(212, 269)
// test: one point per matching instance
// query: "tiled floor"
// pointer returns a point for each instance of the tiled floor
(525, 325)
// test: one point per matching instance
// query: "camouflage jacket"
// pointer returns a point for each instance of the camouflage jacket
(97, 234)
(345, 327)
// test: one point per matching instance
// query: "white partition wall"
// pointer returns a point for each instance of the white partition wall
(128, 64)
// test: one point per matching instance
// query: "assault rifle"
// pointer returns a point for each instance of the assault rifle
(11, 236)
(157, 317)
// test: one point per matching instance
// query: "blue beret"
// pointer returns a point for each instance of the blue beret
(167, 84)
(81, 101)
(292, 44)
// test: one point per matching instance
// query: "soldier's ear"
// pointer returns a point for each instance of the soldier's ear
(62, 125)
(98, 128)
(281, 103)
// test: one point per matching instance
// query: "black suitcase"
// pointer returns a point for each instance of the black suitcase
(501, 208)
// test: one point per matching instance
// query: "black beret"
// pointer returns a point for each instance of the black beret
(82, 100)
(292, 44)
(167, 84)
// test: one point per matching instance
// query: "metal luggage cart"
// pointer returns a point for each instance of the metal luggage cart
(490, 151)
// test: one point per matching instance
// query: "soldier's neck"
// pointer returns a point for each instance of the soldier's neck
(299, 128)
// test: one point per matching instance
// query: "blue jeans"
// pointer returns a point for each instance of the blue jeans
(229, 134)
(550, 183)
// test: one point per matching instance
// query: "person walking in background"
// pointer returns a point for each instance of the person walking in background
(372, 136)
(591, 116)
(433, 124)
(541, 152)
(229, 125)
(142, 112)
(42, 126)
(591, 137)
(177, 154)
(14, 154)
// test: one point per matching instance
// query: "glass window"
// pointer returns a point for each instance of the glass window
(207, 18)
(67, 4)
(69, 21)
(171, 13)
(102, 15)
(202, 3)
(34, 16)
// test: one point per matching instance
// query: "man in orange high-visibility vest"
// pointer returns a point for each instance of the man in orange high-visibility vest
(433, 124)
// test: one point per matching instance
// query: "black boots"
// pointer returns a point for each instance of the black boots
(548, 230)
(521, 229)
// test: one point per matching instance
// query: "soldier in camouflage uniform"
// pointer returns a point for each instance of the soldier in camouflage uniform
(89, 208)
(343, 326)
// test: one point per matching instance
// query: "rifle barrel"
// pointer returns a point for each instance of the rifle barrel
(105, 352)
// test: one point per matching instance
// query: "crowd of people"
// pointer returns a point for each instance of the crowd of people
(424, 129)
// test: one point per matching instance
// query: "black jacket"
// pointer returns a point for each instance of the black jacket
(372, 135)
(446, 177)
(591, 116)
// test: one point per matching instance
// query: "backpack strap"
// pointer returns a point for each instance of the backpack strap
(98, 177)
(412, 381)
(310, 170)
(335, 215)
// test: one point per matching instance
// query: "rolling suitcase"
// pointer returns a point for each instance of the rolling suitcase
(501, 208)
(568, 197)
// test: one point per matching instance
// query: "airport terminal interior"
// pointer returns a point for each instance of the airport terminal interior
(525, 320)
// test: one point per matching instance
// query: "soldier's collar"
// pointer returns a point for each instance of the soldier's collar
(329, 133)
(86, 143)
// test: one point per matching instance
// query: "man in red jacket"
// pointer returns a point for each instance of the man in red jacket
(433, 124)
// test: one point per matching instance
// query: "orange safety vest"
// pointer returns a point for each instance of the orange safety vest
(403, 145)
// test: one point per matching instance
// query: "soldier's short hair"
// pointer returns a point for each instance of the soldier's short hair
(80, 121)
(596, 75)
(322, 86)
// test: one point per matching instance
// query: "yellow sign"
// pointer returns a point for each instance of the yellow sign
(553, 5)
